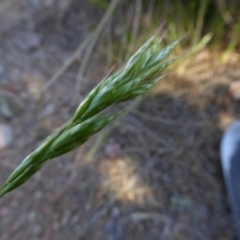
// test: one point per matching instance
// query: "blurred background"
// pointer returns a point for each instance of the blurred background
(154, 174)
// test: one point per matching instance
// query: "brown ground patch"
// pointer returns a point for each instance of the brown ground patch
(165, 182)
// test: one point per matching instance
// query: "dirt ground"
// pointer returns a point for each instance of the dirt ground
(157, 175)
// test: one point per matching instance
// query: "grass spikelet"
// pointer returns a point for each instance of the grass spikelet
(140, 73)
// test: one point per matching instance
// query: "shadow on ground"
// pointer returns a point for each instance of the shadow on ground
(164, 181)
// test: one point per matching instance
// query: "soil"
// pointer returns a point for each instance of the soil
(157, 175)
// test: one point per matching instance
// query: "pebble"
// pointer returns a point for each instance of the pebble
(29, 41)
(115, 212)
(5, 110)
(234, 89)
(6, 135)
(112, 150)
(34, 82)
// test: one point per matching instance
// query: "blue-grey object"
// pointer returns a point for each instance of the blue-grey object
(230, 157)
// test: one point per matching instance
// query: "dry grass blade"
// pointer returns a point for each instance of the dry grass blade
(92, 38)
(136, 20)
(140, 74)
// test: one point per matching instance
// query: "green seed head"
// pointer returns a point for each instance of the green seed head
(140, 73)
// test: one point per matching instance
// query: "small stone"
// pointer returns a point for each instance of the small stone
(6, 135)
(112, 150)
(180, 201)
(34, 83)
(29, 41)
(234, 89)
(5, 110)
(115, 212)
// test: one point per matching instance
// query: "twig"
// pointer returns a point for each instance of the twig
(161, 120)
(136, 122)
(109, 46)
(84, 63)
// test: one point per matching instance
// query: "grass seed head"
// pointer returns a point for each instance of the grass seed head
(141, 73)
